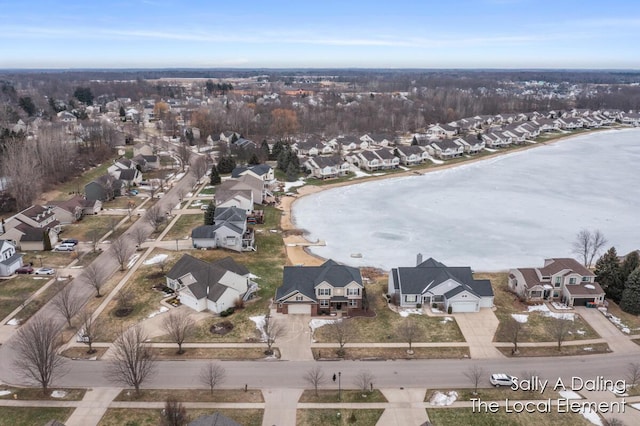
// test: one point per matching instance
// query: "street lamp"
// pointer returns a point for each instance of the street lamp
(339, 388)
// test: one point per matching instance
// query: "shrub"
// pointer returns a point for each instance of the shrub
(449, 310)
(227, 312)
(418, 305)
(434, 305)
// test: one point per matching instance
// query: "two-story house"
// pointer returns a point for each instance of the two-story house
(35, 228)
(10, 259)
(561, 279)
(229, 231)
(313, 290)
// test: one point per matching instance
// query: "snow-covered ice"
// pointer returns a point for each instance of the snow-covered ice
(491, 215)
(521, 318)
(158, 258)
(445, 399)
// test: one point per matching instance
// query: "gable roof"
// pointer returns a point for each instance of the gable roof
(555, 265)
(304, 279)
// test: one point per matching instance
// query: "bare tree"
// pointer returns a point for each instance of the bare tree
(474, 374)
(341, 332)
(409, 331)
(67, 303)
(633, 373)
(94, 236)
(23, 173)
(162, 264)
(315, 377)
(199, 167)
(212, 375)
(174, 413)
(272, 331)
(588, 245)
(122, 251)
(91, 329)
(184, 154)
(179, 326)
(155, 217)
(124, 302)
(132, 360)
(37, 344)
(364, 380)
(95, 277)
(139, 235)
(513, 330)
(560, 330)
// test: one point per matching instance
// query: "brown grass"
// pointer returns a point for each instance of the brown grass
(151, 417)
(381, 327)
(630, 320)
(35, 394)
(349, 395)
(183, 226)
(393, 353)
(538, 327)
(497, 394)
(80, 352)
(192, 395)
(465, 416)
(565, 350)
(230, 354)
(330, 417)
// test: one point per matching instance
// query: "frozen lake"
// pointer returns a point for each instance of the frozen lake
(510, 211)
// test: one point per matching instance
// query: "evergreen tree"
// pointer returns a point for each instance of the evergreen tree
(83, 94)
(276, 150)
(264, 147)
(234, 138)
(254, 160)
(226, 164)
(46, 241)
(609, 276)
(292, 172)
(396, 153)
(209, 214)
(27, 105)
(414, 141)
(630, 263)
(214, 176)
(122, 111)
(283, 158)
(631, 295)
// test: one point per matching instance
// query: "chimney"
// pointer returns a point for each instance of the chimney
(418, 259)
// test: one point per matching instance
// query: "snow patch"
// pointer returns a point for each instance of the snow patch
(317, 323)
(360, 174)
(158, 258)
(443, 399)
(521, 318)
(13, 321)
(617, 321)
(289, 185)
(636, 406)
(259, 320)
(591, 416)
(5, 392)
(446, 320)
(570, 394)
(406, 312)
(547, 313)
(253, 277)
(132, 260)
(561, 306)
(434, 161)
(158, 312)
(58, 394)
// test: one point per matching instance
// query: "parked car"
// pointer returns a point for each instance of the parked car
(72, 241)
(501, 379)
(45, 271)
(64, 247)
(133, 192)
(26, 269)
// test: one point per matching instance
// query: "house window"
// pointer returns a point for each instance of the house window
(353, 292)
(558, 280)
(353, 303)
(324, 292)
(536, 294)
(572, 280)
(586, 279)
(324, 303)
(299, 298)
(411, 298)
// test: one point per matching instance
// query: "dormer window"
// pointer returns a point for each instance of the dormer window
(586, 279)
(572, 280)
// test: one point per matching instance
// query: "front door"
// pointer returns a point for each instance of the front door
(338, 306)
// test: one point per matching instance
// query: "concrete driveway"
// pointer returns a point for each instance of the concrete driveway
(478, 329)
(295, 345)
(617, 340)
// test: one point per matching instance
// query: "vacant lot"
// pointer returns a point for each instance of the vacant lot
(382, 327)
(465, 416)
(83, 230)
(29, 416)
(313, 417)
(183, 226)
(150, 417)
(538, 328)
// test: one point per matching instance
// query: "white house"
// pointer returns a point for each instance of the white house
(10, 259)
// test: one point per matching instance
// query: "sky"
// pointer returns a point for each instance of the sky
(332, 34)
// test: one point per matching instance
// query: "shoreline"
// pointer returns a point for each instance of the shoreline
(294, 239)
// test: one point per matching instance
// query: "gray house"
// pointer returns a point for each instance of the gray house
(104, 188)
(434, 283)
(229, 230)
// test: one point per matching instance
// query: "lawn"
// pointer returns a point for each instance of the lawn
(350, 395)
(77, 184)
(207, 190)
(538, 328)
(192, 395)
(41, 300)
(80, 352)
(565, 350)
(498, 394)
(16, 290)
(629, 320)
(82, 230)
(150, 417)
(325, 417)
(465, 416)
(124, 202)
(50, 259)
(29, 416)
(183, 226)
(31, 394)
(225, 354)
(392, 353)
(381, 327)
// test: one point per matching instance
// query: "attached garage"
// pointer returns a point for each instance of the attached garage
(299, 308)
(457, 307)
(582, 301)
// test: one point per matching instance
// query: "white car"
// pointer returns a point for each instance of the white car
(45, 271)
(501, 379)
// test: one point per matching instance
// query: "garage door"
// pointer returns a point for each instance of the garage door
(579, 301)
(299, 309)
(464, 307)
